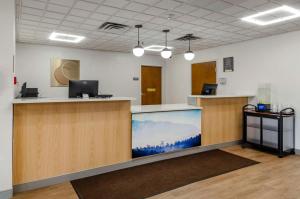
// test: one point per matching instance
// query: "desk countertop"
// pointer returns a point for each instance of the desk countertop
(223, 96)
(162, 108)
(65, 100)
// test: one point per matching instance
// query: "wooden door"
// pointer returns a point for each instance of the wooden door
(151, 85)
(202, 73)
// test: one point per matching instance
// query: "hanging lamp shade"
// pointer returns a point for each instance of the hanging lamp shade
(138, 50)
(189, 55)
(166, 53)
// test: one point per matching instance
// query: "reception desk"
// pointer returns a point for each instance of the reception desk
(221, 117)
(54, 137)
(57, 137)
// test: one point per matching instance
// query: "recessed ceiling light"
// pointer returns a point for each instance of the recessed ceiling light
(276, 15)
(55, 36)
(156, 48)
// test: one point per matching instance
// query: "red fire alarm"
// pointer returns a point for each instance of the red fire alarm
(15, 79)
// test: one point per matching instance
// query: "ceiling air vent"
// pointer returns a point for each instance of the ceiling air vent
(188, 37)
(115, 28)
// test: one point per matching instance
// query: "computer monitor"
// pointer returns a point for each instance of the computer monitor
(79, 87)
(209, 89)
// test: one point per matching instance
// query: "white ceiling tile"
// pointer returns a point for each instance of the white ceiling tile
(93, 22)
(88, 27)
(253, 3)
(148, 2)
(95, 1)
(34, 4)
(144, 17)
(154, 11)
(168, 4)
(233, 10)
(218, 6)
(136, 7)
(107, 10)
(214, 16)
(118, 19)
(57, 8)
(51, 21)
(74, 19)
(80, 13)
(70, 24)
(185, 8)
(68, 3)
(126, 14)
(235, 1)
(28, 22)
(267, 6)
(31, 17)
(54, 15)
(32, 11)
(158, 20)
(98, 16)
(86, 5)
(186, 18)
(116, 3)
(200, 12)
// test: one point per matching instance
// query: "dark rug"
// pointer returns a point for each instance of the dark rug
(158, 177)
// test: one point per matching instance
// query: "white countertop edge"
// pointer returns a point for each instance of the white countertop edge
(222, 96)
(162, 108)
(65, 100)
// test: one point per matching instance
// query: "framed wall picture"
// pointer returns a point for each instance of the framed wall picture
(228, 64)
(63, 70)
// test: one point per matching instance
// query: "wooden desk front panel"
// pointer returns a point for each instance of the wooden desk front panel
(221, 119)
(53, 139)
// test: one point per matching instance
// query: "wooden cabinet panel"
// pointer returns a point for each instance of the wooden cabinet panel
(221, 119)
(53, 139)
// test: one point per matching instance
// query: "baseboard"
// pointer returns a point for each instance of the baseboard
(7, 194)
(132, 163)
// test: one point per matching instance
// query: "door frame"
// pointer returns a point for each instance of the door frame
(161, 81)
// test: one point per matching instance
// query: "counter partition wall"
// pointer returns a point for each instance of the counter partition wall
(55, 138)
(164, 128)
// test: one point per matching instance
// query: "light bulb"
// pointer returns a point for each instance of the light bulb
(166, 53)
(138, 51)
(189, 55)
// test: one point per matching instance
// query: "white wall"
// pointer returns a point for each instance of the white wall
(113, 70)
(274, 60)
(7, 50)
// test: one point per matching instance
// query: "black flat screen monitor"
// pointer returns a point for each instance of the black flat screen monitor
(209, 89)
(79, 87)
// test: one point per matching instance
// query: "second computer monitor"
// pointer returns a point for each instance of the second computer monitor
(79, 87)
(209, 89)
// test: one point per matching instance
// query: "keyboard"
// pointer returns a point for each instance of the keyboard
(104, 96)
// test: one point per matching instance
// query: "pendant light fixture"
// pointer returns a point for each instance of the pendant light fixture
(138, 51)
(189, 55)
(166, 53)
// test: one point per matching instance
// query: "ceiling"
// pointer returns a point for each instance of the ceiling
(217, 22)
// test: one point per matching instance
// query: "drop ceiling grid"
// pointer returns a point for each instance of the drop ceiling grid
(217, 22)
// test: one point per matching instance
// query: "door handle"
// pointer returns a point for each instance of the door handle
(151, 89)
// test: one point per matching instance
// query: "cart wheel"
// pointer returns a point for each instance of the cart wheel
(243, 146)
(292, 152)
(280, 156)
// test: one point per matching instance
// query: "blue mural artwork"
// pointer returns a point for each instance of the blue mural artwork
(161, 132)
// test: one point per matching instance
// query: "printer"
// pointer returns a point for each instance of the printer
(28, 92)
